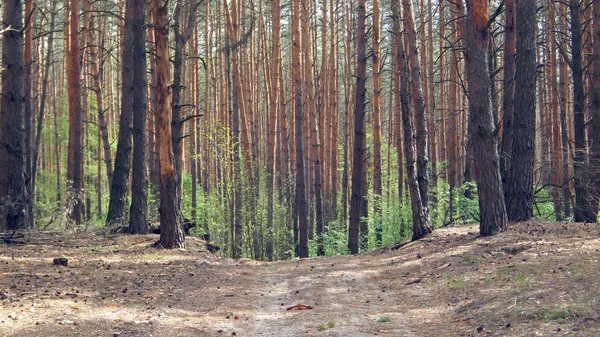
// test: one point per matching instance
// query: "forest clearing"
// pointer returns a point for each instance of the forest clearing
(536, 279)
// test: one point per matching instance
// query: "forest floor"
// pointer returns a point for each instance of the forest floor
(536, 279)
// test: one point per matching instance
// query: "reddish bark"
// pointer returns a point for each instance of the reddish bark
(171, 235)
(487, 167)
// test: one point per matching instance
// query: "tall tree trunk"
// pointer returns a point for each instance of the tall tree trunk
(120, 181)
(556, 158)
(316, 159)
(252, 60)
(358, 147)
(325, 118)
(416, 86)
(563, 88)
(182, 35)
(195, 131)
(138, 219)
(432, 105)
(75, 158)
(348, 52)
(377, 88)
(57, 154)
(171, 235)
(333, 108)
(320, 128)
(452, 116)
(519, 196)
(583, 210)
(272, 122)
(232, 54)
(13, 188)
(312, 129)
(443, 92)
(594, 112)
(487, 167)
(28, 108)
(153, 161)
(298, 108)
(508, 102)
(397, 112)
(421, 223)
(97, 70)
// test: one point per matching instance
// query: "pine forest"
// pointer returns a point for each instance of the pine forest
(299, 168)
(298, 128)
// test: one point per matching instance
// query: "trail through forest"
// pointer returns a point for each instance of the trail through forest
(536, 279)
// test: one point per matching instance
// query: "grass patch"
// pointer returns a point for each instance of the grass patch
(383, 319)
(490, 279)
(577, 273)
(468, 259)
(326, 326)
(455, 282)
(521, 278)
(110, 249)
(556, 314)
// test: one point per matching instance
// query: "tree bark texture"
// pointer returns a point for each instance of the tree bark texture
(377, 88)
(416, 88)
(236, 113)
(492, 211)
(508, 98)
(594, 112)
(97, 76)
(274, 104)
(182, 34)
(75, 206)
(563, 93)
(28, 108)
(318, 127)
(171, 235)
(298, 109)
(138, 214)
(13, 189)
(358, 147)
(583, 210)
(556, 139)
(420, 216)
(519, 196)
(120, 181)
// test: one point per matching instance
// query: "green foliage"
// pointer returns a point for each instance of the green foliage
(543, 206)
(383, 319)
(186, 198)
(467, 206)
(335, 239)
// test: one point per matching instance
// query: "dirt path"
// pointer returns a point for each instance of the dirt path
(346, 295)
(536, 279)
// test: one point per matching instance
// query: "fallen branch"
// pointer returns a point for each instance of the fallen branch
(299, 307)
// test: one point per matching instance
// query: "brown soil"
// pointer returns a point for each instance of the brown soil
(536, 279)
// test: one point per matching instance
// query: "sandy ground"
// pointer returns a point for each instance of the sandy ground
(536, 279)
